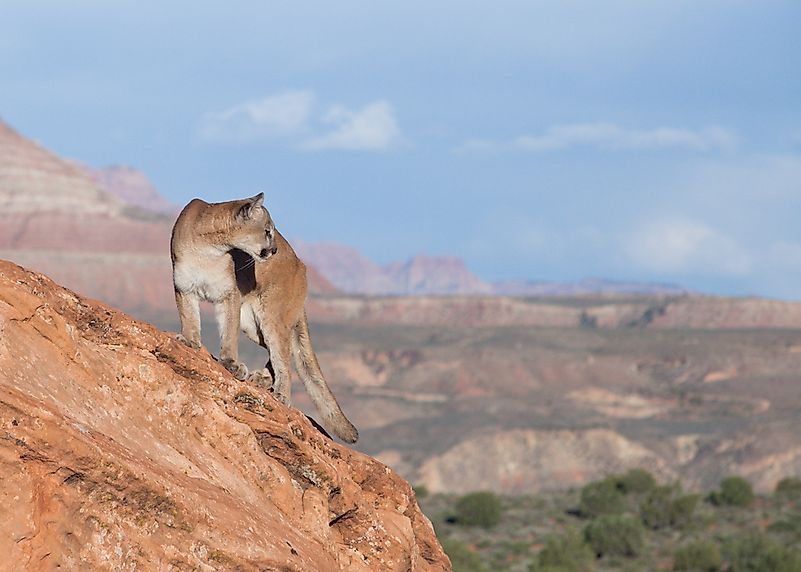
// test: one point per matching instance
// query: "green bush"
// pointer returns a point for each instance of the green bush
(734, 491)
(479, 509)
(684, 510)
(758, 553)
(599, 498)
(789, 489)
(635, 481)
(420, 491)
(665, 506)
(615, 535)
(566, 553)
(698, 556)
(789, 525)
(462, 558)
(656, 508)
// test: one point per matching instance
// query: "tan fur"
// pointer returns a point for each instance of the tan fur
(202, 239)
(273, 315)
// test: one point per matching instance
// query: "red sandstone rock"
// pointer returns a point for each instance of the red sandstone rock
(122, 449)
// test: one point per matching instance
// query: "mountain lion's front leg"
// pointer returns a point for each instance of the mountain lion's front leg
(227, 312)
(189, 314)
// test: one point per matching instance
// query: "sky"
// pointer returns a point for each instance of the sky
(639, 140)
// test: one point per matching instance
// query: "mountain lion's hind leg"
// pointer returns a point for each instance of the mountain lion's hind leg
(279, 359)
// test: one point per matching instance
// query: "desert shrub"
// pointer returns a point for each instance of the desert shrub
(615, 535)
(684, 509)
(566, 553)
(600, 498)
(788, 526)
(462, 558)
(698, 556)
(789, 489)
(479, 509)
(665, 506)
(734, 491)
(656, 508)
(634, 481)
(758, 553)
(420, 491)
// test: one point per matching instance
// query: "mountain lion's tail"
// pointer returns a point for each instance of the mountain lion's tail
(316, 386)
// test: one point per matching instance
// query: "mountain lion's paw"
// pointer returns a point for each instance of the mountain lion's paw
(195, 345)
(263, 377)
(237, 368)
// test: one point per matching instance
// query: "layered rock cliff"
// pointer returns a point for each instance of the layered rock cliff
(122, 449)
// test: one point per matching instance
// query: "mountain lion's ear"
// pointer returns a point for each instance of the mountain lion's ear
(257, 201)
(245, 212)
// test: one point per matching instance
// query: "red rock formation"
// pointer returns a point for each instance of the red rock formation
(34, 180)
(122, 449)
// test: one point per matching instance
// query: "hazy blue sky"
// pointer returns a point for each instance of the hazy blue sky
(646, 140)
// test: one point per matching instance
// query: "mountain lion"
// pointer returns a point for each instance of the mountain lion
(231, 254)
(202, 268)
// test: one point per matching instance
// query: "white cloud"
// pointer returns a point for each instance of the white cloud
(609, 136)
(372, 128)
(281, 115)
(682, 246)
(290, 117)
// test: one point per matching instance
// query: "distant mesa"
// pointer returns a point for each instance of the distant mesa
(586, 287)
(134, 188)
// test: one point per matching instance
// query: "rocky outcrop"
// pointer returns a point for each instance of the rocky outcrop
(122, 449)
